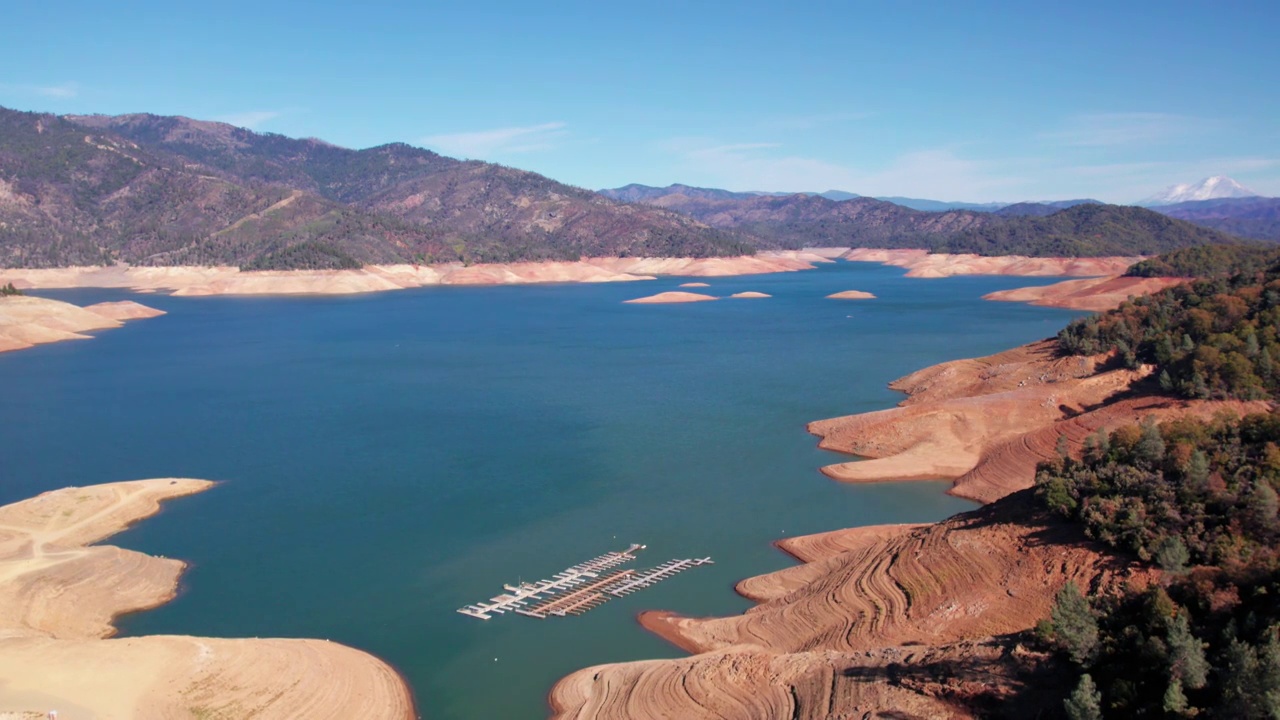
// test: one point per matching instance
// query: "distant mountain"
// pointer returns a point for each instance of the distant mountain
(1251, 217)
(1027, 209)
(1070, 203)
(636, 193)
(1041, 209)
(157, 190)
(1212, 188)
(940, 205)
(838, 195)
(805, 220)
(1084, 231)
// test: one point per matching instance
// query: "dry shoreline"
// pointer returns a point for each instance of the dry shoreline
(923, 264)
(60, 593)
(29, 321)
(200, 281)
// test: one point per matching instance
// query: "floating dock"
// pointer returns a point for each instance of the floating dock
(579, 588)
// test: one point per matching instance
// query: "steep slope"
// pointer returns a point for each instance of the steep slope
(72, 196)
(474, 211)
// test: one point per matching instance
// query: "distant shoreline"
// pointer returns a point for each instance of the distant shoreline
(202, 281)
(206, 281)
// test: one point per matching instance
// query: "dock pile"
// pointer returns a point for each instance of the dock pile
(579, 588)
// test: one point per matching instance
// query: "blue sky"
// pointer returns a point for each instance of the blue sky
(959, 100)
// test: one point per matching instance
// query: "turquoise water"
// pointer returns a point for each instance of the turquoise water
(389, 458)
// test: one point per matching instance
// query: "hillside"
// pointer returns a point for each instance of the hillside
(153, 190)
(1208, 261)
(1257, 218)
(1083, 231)
(804, 220)
(1212, 338)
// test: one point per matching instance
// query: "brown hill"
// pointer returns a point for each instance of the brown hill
(145, 189)
(496, 213)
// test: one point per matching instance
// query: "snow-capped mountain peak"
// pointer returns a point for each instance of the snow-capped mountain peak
(1212, 188)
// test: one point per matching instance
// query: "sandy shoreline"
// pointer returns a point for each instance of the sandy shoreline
(29, 321)
(923, 264)
(60, 593)
(1092, 294)
(200, 281)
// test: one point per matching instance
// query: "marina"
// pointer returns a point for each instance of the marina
(579, 588)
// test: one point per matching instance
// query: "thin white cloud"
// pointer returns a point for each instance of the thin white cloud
(485, 144)
(935, 173)
(1127, 129)
(250, 119)
(65, 90)
(810, 122)
(61, 91)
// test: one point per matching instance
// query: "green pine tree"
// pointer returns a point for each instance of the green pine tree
(1085, 702)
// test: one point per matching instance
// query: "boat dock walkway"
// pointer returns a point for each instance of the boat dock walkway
(656, 575)
(579, 588)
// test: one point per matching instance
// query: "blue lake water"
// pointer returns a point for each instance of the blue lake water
(388, 458)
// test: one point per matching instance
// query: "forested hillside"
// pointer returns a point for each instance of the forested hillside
(1208, 261)
(1199, 500)
(1212, 338)
(1083, 231)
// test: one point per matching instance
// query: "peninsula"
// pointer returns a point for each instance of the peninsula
(28, 321)
(60, 592)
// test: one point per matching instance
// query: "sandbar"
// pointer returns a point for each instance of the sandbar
(750, 294)
(672, 297)
(852, 295)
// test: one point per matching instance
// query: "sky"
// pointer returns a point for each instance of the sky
(973, 101)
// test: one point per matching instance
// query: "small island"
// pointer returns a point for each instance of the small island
(852, 295)
(672, 297)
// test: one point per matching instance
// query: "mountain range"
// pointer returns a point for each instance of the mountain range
(644, 193)
(1257, 218)
(157, 190)
(1071, 227)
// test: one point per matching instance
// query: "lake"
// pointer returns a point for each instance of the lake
(386, 459)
